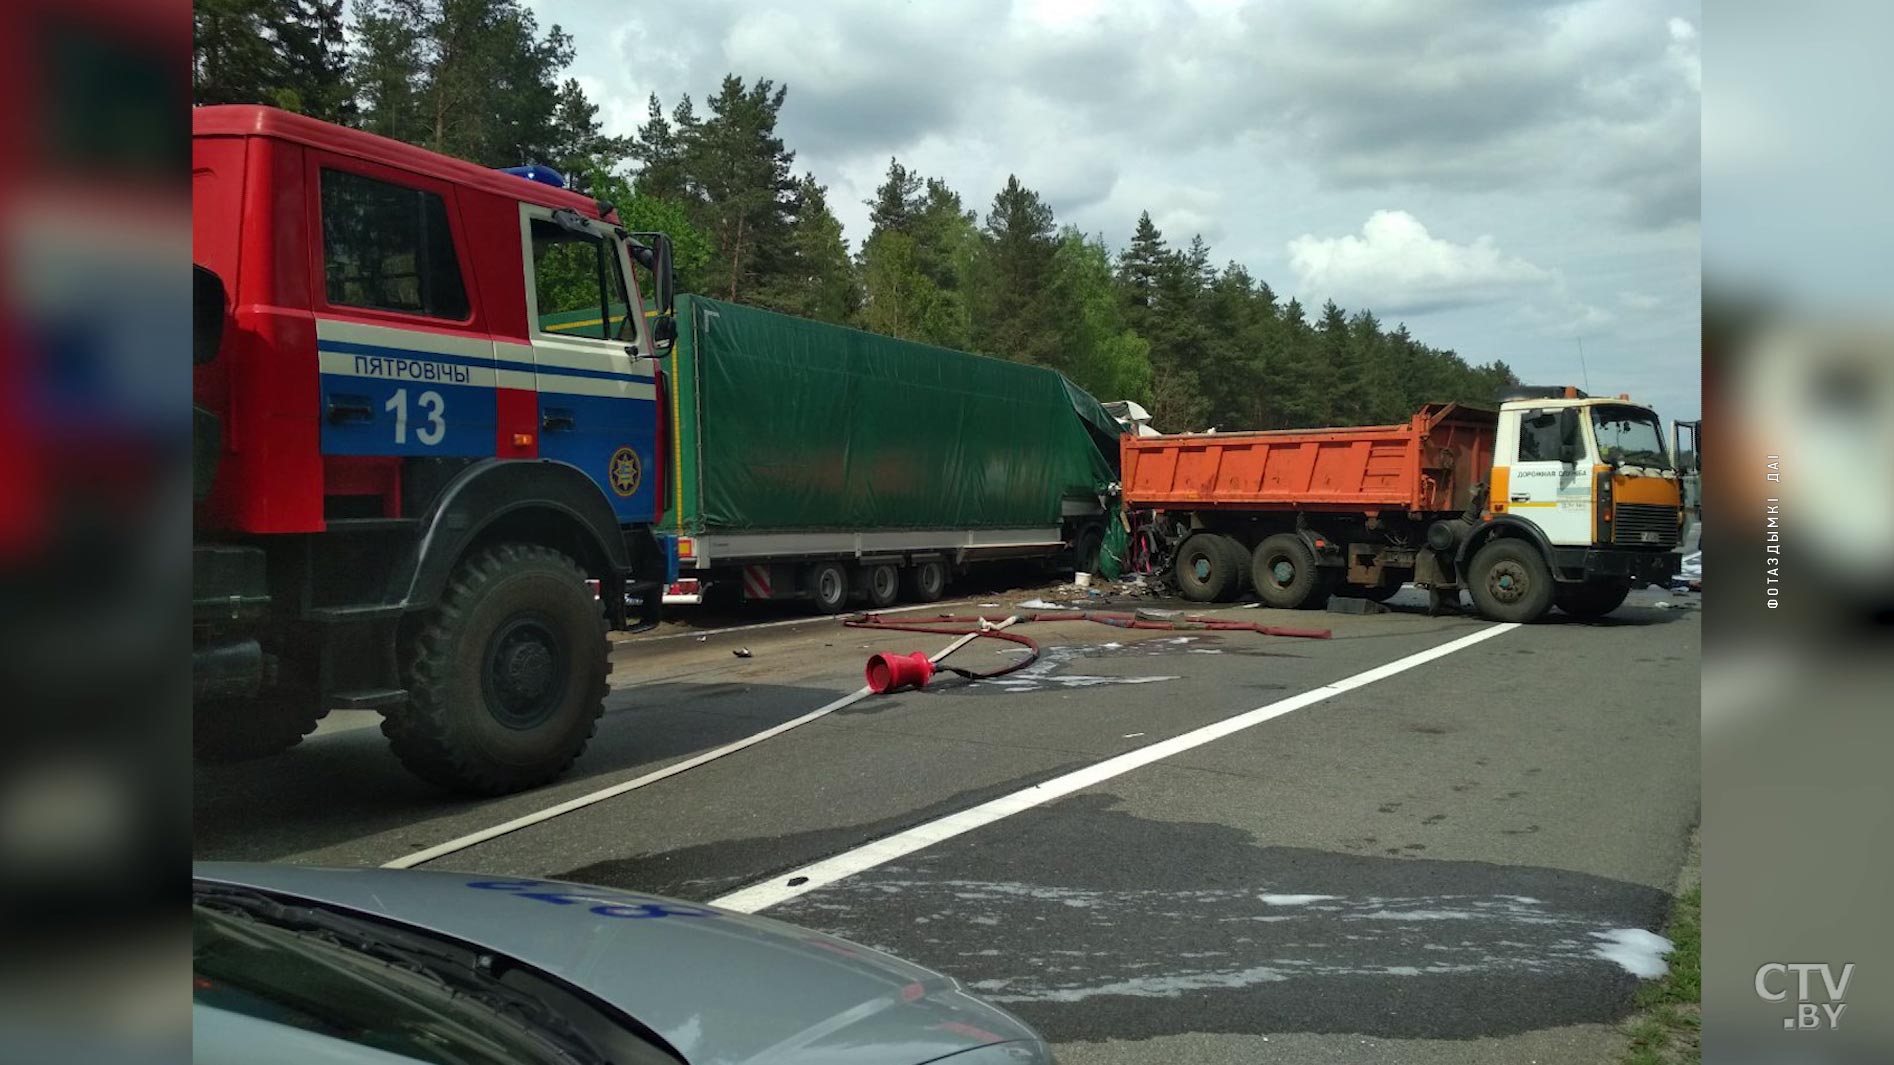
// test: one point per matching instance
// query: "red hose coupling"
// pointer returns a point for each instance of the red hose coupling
(891, 673)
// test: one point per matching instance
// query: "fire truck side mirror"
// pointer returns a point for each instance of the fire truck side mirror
(666, 283)
(663, 332)
(208, 300)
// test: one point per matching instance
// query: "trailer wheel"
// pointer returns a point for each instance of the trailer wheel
(927, 581)
(1284, 572)
(1204, 568)
(828, 586)
(882, 585)
(236, 730)
(1510, 581)
(1592, 599)
(1085, 549)
(507, 677)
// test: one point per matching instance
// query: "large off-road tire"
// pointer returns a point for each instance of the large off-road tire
(236, 730)
(1592, 599)
(1510, 581)
(926, 581)
(1203, 569)
(828, 586)
(881, 585)
(1285, 575)
(506, 678)
(1237, 561)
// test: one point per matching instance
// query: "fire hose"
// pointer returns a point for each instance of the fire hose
(893, 672)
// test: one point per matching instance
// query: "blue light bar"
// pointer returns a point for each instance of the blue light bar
(545, 175)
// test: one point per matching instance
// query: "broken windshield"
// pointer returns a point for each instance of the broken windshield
(1629, 435)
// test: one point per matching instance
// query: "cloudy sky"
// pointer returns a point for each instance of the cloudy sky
(1513, 179)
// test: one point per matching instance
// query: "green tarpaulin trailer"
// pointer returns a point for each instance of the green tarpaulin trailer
(821, 461)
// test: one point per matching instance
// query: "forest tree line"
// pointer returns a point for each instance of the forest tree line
(1157, 321)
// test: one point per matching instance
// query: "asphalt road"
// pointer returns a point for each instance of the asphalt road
(1459, 861)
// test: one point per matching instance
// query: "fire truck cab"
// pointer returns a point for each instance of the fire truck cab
(429, 411)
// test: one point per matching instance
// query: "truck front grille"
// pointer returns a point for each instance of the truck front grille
(1645, 525)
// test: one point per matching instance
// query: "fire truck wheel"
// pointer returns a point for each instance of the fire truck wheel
(828, 586)
(1509, 581)
(1284, 572)
(234, 730)
(927, 581)
(1204, 568)
(1593, 599)
(507, 677)
(882, 585)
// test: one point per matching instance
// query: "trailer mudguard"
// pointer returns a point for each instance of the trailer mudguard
(537, 501)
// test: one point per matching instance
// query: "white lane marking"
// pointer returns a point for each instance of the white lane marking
(772, 624)
(810, 877)
(439, 850)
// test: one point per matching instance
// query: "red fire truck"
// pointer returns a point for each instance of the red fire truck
(406, 477)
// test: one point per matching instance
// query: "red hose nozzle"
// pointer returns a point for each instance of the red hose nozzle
(891, 673)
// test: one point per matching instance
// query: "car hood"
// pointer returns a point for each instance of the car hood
(723, 988)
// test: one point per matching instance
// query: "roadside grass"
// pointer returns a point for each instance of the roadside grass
(1666, 1028)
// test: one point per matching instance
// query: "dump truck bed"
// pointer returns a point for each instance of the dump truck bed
(1428, 464)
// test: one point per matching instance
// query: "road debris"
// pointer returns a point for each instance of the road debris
(741, 652)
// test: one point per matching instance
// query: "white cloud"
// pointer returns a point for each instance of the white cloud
(1397, 267)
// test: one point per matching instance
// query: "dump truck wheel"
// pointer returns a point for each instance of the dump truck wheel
(236, 730)
(1237, 560)
(882, 585)
(828, 586)
(927, 582)
(1203, 569)
(507, 677)
(1592, 599)
(1509, 581)
(1284, 572)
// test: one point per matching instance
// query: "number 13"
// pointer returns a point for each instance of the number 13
(431, 404)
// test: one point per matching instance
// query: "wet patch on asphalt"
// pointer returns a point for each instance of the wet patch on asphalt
(702, 872)
(1093, 923)
(1070, 667)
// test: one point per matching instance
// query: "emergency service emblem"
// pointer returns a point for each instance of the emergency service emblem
(626, 471)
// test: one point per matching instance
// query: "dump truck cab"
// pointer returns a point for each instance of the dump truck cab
(1589, 486)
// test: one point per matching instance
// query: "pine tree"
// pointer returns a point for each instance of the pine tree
(896, 200)
(314, 56)
(818, 280)
(658, 150)
(580, 146)
(1138, 270)
(1012, 322)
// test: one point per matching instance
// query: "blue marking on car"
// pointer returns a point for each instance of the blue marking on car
(602, 903)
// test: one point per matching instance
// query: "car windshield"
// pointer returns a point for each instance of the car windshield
(309, 981)
(1629, 435)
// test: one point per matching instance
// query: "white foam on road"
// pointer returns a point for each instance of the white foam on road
(820, 874)
(1637, 951)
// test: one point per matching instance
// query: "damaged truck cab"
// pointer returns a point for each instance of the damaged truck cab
(1555, 499)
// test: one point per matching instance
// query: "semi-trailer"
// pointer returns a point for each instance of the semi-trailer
(817, 462)
(1556, 498)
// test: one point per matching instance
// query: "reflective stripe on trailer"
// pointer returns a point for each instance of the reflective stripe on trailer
(756, 582)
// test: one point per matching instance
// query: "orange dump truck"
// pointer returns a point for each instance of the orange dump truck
(1555, 499)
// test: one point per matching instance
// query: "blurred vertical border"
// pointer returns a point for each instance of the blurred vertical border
(94, 529)
(1798, 687)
